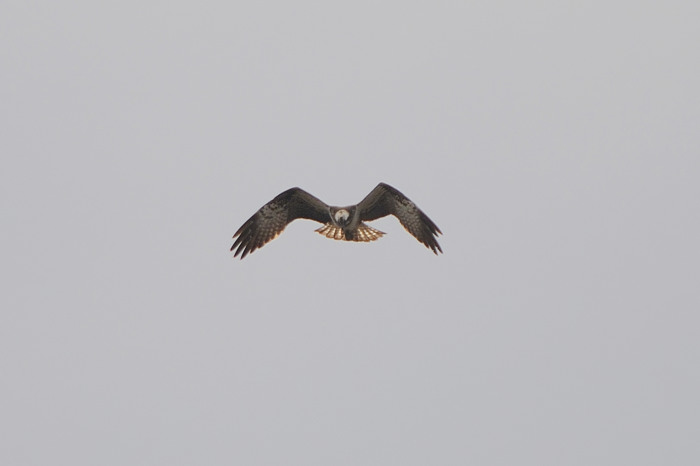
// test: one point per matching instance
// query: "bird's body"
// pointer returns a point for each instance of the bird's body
(340, 223)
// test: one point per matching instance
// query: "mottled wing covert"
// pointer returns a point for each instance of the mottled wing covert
(385, 200)
(272, 218)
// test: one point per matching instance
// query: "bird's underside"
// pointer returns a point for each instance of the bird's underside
(340, 223)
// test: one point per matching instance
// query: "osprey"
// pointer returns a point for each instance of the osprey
(341, 223)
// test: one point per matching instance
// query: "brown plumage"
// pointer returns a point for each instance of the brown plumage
(341, 223)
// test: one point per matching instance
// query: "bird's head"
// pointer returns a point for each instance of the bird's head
(341, 216)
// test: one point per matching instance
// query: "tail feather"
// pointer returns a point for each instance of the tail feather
(364, 233)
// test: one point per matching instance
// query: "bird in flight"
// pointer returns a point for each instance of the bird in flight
(341, 223)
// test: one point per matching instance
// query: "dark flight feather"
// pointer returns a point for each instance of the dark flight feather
(272, 218)
(385, 200)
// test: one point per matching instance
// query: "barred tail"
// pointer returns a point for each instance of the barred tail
(363, 233)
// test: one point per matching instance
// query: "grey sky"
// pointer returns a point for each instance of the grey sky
(555, 146)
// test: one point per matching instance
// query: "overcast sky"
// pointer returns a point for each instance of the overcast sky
(557, 148)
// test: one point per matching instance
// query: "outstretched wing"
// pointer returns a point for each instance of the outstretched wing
(268, 222)
(385, 200)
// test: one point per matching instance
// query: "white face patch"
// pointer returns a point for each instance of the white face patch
(342, 214)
